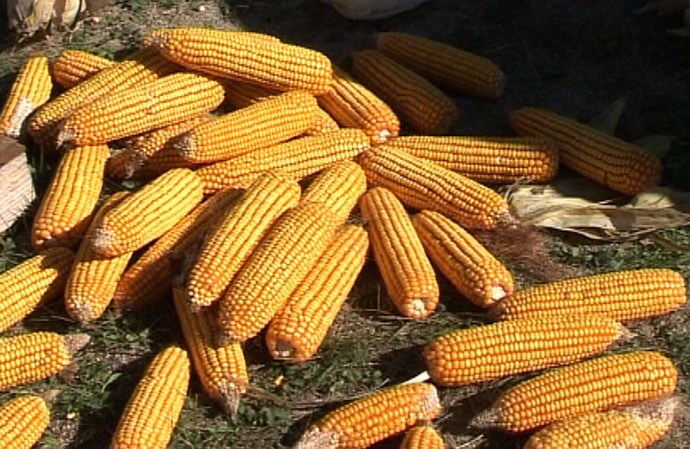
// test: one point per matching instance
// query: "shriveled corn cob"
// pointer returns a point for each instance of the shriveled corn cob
(354, 106)
(274, 269)
(591, 385)
(297, 159)
(339, 188)
(632, 427)
(621, 295)
(298, 330)
(30, 90)
(422, 184)
(147, 213)
(237, 234)
(262, 124)
(144, 66)
(67, 207)
(34, 282)
(373, 418)
(422, 437)
(617, 164)
(152, 411)
(405, 268)
(488, 160)
(444, 64)
(472, 269)
(245, 57)
(34, 356)
(71, 67)
(149, 279)
(420, 104)
(23, 420)
(93, 279)
(493, 351)
(166, 101)
(222, 369)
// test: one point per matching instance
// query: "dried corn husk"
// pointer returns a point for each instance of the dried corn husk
(26, 17)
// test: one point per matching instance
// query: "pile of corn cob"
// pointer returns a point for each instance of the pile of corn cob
(267, 174)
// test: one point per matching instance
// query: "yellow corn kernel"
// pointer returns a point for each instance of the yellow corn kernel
(591, 385)
(373, 418)
(417, 102)
(154, 407)
(236, 235)
(149, 279)
(32, 283)
(30, 90)
(168, 100)
(273, 270)
(296, 159)
(34, 356)
(245, 57)
(444, 64)
(23, 420)
(147, 213)
(422, 437)
(421, 184)
(405, 268)
(488, 160)
(339, 188)
(354, 106)
(93, 279)
(619, 165)
(67, 206)
(471, 268)
(298, 330)
(71, 67)
(492, 351)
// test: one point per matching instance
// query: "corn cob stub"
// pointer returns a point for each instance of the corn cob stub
(373, 418)
(30, 90)
(23, 420)
(487, 352)
(422, 437)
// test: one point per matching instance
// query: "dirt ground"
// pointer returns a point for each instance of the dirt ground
(572, 56)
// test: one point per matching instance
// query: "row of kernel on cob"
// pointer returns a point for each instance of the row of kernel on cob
(285, 126)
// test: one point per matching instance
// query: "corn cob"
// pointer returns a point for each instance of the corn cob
(488, 160)
(30, 357)
(488, 352)
(425, 185)
(71, 67)
(30, 90)
(153, 409)
(619, 165)
(298, 330)
(263, 124)
(405, 268)
(591, 385)
(161, 161)
(149, 279)
(339, 188)
(621, 295)
(147, 213)
(444, 64)
(143, 67)
(222, 369)
(32, 283)
(166, 101)
(67, 207)
(472, 269)
(417, 102)
(631, 427)
(373, 418)
(354, 106)
(23, 420)
(236, 235)
(274, 269)
(297, 159)
(93, 279)
(244, 57)
(422, 437)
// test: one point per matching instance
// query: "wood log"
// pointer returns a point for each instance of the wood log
(16, 185)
